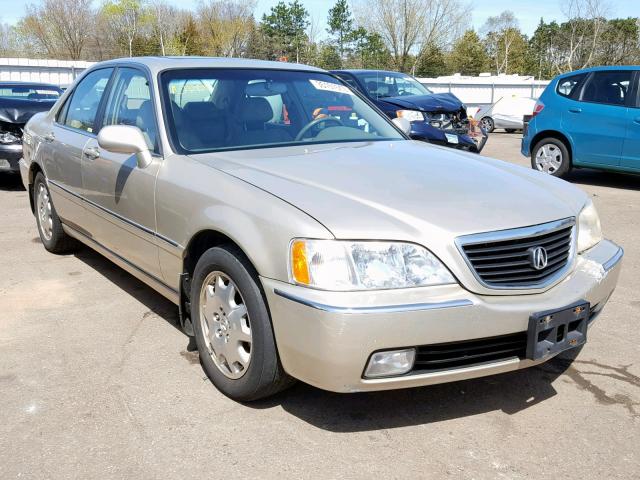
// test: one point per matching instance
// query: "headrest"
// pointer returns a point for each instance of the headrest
(256, 110)
(200, 110)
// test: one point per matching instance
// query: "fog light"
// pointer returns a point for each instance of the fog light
(391, 362)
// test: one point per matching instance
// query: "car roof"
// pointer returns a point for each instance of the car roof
(364, 70)
(602, 68)
(7, 83)
(157, 64)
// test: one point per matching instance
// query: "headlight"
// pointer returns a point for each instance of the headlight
(589, 230)
(367, 265)
(411, 115)
(7, 137)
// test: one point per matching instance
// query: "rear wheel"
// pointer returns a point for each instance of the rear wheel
(232, 327)
(53, 237)
(487, 124)
(551, 156)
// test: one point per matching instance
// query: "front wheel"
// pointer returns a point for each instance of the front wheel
(551, 156)
(233, 328)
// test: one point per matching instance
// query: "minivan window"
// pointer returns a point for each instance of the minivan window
(242, 108)
(609, 87)
(130, 104)
(85, 100)
(570, 86)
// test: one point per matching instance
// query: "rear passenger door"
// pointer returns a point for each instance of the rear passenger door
(120, 196)
(597, 123)
(631, 149)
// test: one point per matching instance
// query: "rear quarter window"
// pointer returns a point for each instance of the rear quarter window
(570, 86)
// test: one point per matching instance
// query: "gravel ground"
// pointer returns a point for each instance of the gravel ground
(96, 381)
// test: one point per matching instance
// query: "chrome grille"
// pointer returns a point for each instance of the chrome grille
(504, 259)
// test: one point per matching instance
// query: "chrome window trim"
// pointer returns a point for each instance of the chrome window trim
(412, 307)
(515, 234)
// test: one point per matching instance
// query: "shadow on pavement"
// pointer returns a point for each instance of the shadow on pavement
(627, 181)
(11, 182)
(155, 302)
(360, 412)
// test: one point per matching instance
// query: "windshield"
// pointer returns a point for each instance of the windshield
(222, 109)
(30, 92)
(391, 84)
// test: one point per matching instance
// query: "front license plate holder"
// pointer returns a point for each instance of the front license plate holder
(451, 137)
(555, 331)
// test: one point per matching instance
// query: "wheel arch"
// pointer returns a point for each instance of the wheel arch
(552, 134)
(34, 169)
(202, 241)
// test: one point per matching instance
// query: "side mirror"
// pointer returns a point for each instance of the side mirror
(403, 124)
(125, 139)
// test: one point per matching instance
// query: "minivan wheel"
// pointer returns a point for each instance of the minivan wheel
(551, 156)
(487, 124)
(53, 237)
(232, 327)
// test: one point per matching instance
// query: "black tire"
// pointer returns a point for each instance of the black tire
(58, 241)
(264, 375)
(487, 123)
(510, 130)
(565, 164)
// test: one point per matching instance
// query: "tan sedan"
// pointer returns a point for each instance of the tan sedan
(303, 235)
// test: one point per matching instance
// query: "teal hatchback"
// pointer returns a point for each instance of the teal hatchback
(588, 118)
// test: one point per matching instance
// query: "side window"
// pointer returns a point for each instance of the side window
(130, 104)
(85, 100)
(570, 86)
(608, 87)
(349, 81)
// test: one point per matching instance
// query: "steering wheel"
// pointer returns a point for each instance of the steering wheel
(314, 123)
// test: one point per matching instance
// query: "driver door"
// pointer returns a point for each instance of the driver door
(120, 195)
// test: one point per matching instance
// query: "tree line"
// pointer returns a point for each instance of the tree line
(423, 37)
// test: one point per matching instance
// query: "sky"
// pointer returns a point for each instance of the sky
(528, 12)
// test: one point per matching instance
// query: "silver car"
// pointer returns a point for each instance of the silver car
(304, 236)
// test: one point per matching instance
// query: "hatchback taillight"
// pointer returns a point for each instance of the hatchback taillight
(538, 107)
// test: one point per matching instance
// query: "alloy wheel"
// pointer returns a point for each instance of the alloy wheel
(44, 212)
(225, 324)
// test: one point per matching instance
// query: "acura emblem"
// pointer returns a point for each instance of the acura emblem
(538, 257)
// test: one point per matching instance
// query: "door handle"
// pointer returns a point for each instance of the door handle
(637, 120)
(91, 153)
(575, 110)
(49, 137)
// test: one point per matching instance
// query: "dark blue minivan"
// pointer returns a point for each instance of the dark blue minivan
(587, 118)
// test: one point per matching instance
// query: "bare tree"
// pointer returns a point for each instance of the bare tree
(586, 21)
(125, 17)
(165, 21)
(500, 33)
(226, 25)
(60, 27)
(409, 26)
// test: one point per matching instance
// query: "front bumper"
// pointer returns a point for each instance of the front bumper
(468, 142)
(326, 338)
(10, 155)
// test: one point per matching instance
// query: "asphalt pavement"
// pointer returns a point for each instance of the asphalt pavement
(97, 382)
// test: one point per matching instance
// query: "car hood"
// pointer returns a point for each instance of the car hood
(402, 190)
(434, 102)
(19, 111)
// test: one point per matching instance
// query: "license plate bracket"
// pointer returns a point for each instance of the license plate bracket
(555, 331)
(452, 138)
